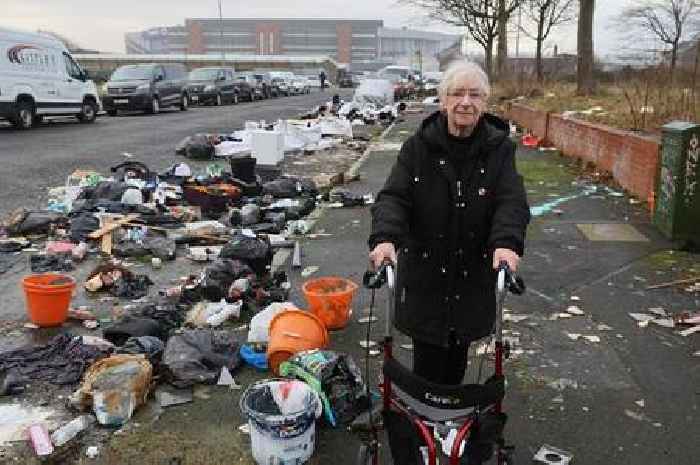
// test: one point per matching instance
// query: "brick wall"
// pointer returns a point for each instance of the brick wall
(632, 159)
(531, 119)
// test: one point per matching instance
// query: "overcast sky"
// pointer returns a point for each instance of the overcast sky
(101, 24)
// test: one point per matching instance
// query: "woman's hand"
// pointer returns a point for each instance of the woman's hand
(508, 256)
(382, 252)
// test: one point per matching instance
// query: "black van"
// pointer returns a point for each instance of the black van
(146, 87)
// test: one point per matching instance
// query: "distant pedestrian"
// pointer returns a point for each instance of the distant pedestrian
(322, 78)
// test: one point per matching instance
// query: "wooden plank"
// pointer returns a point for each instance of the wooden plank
(111, 225)
(107, 237)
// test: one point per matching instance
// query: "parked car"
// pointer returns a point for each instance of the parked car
(431, 80)
(300, 85)
(315, 82)
(212, 85)
(255, 86)
(281, 85)
(38, 77)
(269, 89)
(147, 87)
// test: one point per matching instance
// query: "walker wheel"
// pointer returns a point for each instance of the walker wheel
(365, 455)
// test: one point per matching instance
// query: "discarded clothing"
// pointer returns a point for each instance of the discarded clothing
(62, 361)
(197, 147)
(105, 190)
(129, 326)
(159, 247)
(196, 356)
(152, 347)
(255, 252)
(118, 281)
(48, 263)
(24, 221)
(219, 276)
(290, 187)
(81, 225)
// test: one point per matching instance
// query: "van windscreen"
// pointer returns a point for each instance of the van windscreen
(133, 73)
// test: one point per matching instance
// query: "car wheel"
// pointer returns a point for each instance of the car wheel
(184, 102)
(112, 112)
(154, 109)
(218, 101)
(88, 113)
(24, 115)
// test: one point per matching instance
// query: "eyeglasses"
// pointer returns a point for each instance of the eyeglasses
(474, 94)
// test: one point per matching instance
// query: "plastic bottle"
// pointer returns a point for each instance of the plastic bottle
(71, 429)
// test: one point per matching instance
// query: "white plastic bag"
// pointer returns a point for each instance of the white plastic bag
(260, 323)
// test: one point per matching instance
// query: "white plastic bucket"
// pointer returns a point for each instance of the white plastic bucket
(281, 439)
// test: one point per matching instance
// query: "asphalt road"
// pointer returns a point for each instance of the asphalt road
(31, 161)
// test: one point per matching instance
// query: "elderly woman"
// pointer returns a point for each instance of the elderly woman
(454, 207)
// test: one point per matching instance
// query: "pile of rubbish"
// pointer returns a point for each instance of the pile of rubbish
(229, 221)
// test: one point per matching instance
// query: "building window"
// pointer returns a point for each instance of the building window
(272, 43)
(261, 41)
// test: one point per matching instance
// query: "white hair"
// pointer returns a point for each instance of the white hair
(460, 70)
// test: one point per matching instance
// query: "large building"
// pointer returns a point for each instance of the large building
(362, 44)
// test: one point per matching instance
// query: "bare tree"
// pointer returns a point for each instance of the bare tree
(585, 81)
(545, 16)
(484, 19)
(664, 19)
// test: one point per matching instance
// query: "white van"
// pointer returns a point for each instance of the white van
(38, 78)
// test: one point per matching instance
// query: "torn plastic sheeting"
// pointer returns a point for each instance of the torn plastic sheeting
(231, 148)
(377, 91)
(287, 187)
(115, 387)
(196, 356)
(62, 361)
(150, 346)
(219, 276)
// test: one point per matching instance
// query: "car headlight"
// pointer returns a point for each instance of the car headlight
(209, 88)
(143, 87)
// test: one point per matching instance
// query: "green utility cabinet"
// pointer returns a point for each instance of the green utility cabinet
(677, 208)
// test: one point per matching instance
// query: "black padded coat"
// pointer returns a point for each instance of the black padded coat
(446, 225)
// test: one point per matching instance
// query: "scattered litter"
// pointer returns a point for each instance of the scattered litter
(640, 402)
(594, 339)
(91, 324)
(563, 383)
(168, 397)
(642, 317)
(308, 271)
(585, 409)
(658, 311)
(515, 318)
(226, 379)
(115, 387)
(407, 346)
(92, 452)
(657, 425)
(549, 455)
(39, 438)
(558, 399)
(634, 415)
(367, 344)
(574, 298)
(573, 336)
(556, 316)
(367, 319)
(30, 326)
(688, 332)
(665, 322)
(374, 352)
(15, 419)
(244, 428)
(574, 310)
(687, 318)
(603, 327)
(71, 429)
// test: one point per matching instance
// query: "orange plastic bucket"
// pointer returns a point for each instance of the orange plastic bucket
(329, 299)
(292, 331)
(48, 297)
